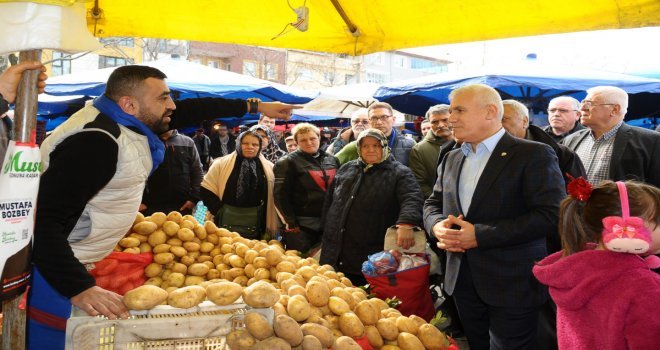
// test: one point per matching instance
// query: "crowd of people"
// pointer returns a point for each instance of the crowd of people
(511, 209)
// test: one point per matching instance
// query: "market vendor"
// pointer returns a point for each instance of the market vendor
(95, 168)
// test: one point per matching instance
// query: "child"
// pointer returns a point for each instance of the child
(605, 299)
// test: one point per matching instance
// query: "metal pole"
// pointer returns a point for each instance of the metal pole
(25, 122)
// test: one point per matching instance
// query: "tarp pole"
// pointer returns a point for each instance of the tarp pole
(25, 122)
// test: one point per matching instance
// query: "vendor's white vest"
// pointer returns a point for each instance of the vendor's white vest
(109, 214)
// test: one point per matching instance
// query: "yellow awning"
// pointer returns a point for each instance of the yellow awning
(380, 24)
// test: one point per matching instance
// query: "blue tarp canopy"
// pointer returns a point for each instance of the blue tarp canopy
(186, 80)
(530, 82)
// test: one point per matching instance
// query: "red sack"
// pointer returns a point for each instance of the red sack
(410, 286)
(121, 272)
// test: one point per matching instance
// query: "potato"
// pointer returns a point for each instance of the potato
(212, 274)
(145, 227)
(311, 343)
(390, 347)
(380, 304)
(367, 312)
(286, 266)
(161, 248)
(273, 256)
(156, 281)
(261, 294)
(206, 247)
(191, 246)
(431, 337)
(145, 247)
(153, 270)
(404, 324)
(390, 312)
(298, 308)
(170, 228)
(129, 242)
(307, 272)
(187, 260)
(157, 218)
(317, 293)
(186, 297)
(144, 297)
(297, 290)
(418, 321)
(279, 309)
(242, 280)
(139, 237)
(347, 282)
(236, 261)
(223, 293)
(157, 237)
(373, 336)
(198, 269)
(272, 343)
(345, 343)
(240, 339)
(350, 325)
(175, 242)
(163, 258)
(179, 267)
(338, 306)
(258, 325)
(387, 329)
(409, 341)
(322, 333)
(261, 274)
(193, 280)
(200, 232)
(344, 295)
(139, 217)
(185, 234)
(175, 279)
(288, 329)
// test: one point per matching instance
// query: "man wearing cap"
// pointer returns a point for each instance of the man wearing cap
(381, 117)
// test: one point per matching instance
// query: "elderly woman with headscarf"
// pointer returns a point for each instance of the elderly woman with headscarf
(367, 196)
(301, 180)
(270, 149)
(238, 189)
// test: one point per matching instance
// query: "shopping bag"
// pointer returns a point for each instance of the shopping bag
(244, 220)
(410, 286)
(121, 272)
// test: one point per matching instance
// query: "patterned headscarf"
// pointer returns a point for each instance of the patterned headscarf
(378, 135)
(247, 177)
(272, 152)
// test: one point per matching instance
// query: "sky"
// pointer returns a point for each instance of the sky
(620, 50)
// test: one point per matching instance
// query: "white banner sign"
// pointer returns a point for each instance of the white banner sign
(19, 185)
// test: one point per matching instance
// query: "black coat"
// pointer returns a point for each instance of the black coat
(360, 206)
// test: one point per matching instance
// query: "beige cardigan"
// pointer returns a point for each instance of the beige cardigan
(218, 174)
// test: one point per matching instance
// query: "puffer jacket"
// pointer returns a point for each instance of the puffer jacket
(301, 181)
(359, 208)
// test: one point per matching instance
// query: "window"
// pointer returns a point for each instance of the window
(349, 79)
(376, 78)
(399, 61)
(377, 58)
(228, 67)
(212, 64)
(250, 68)
(329, 77)
(60, 66)
(109, 61)
(271, 71)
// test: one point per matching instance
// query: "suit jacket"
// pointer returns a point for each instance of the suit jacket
(636, 154)
(514, 207)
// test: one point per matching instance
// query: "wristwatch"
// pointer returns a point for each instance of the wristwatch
(253, 103)
(4, 105)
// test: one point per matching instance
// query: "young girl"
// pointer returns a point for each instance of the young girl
(605, 299)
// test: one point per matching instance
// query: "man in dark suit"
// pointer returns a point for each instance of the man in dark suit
(610, 149)
(493, 203)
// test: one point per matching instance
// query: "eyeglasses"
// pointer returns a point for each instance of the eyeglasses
(561, 110)
(360, 121)
(382, 118)
(589, 104)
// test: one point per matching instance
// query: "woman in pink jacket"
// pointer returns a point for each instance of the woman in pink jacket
(606, 295)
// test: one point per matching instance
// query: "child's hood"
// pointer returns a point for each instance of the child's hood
(574, 280)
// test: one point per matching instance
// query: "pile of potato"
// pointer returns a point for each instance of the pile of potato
(315, 307)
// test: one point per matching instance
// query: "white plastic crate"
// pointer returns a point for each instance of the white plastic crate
(203, 327)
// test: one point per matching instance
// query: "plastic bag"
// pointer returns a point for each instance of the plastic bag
(383, 263)
(121, 272)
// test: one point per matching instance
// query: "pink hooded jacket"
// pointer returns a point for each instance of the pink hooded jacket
(605, 300)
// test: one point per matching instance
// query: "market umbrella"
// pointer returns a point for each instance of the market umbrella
(343, 99)
(530, 82)
(361, 26)
(186, 79)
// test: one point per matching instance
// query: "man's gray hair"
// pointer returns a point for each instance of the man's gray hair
(359, 113)
(573, 101)
(437, 109)
(517, 106)
(487, 96)
(612, 94)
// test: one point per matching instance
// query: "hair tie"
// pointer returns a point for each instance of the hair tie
(580, 189)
